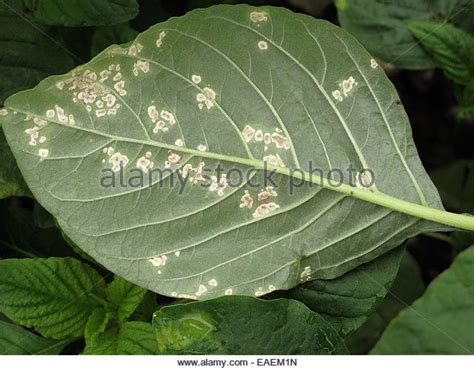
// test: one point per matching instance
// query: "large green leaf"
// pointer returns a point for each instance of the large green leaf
(14, 340)
(244, 326)
(441, 321)
(382, 26)
(347, 302)
(309, 86)
(54, 295)
(407, 287)
(28, 51)
(451, 48)
(75, 13)
(131, 338)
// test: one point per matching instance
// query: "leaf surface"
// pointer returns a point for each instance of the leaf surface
(51, 295)
(131, 338)
(441, 321)
(183, 95)
(244, 326)
(347, 302)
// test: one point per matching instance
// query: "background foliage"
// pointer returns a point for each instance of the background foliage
(55, 299)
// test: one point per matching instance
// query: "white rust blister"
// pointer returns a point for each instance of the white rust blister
(264, 209)
(158, 261)
(257, 17)
(246, 201)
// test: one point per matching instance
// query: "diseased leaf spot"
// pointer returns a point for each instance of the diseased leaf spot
(179, 142)
(228, 291)
(274, 160)
(246, 201)
(219, 185)
(248, 133)
(306, 274)
(159, 40)
(206, 98)
(201, 148)
(262, 45)
(213, 282)
(257, 17)
(43, 153)
(141, 66)
(196, 79)
(264, 209)
(144, 164)
(373, 63)
(158, 261)
(3, 112)
(173, 158)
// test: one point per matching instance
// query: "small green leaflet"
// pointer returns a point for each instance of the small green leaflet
(451, 48)
(124, 296)
(130, 338)
(244, 326)
(274, 88)
(440, 322)
(80, 13)
(54, 295)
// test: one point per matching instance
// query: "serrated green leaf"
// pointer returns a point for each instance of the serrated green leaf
(244, 326)
(11, 180)
(441, 321)
(52, 295)
(14, 340)
(193, 242)
(382, 26)
(79, 13)
(452, 49)
(348, 301)
(97, 325)
(131, 338)
(28, 51)
(407, 287)
(124, 296)
(106, 36)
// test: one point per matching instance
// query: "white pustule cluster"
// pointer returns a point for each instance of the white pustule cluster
(35, 136)
(141, 66)
(159, 40)
(117, 160)
(218, 185)
(264, 203)
(196, 174)
(257, 17)
(206, 98)
(345, 87)
(276, 138)
(144, 163)
(306, 274)
(162, 120)
(90, 90)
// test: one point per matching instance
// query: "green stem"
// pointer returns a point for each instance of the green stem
(460, 221)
